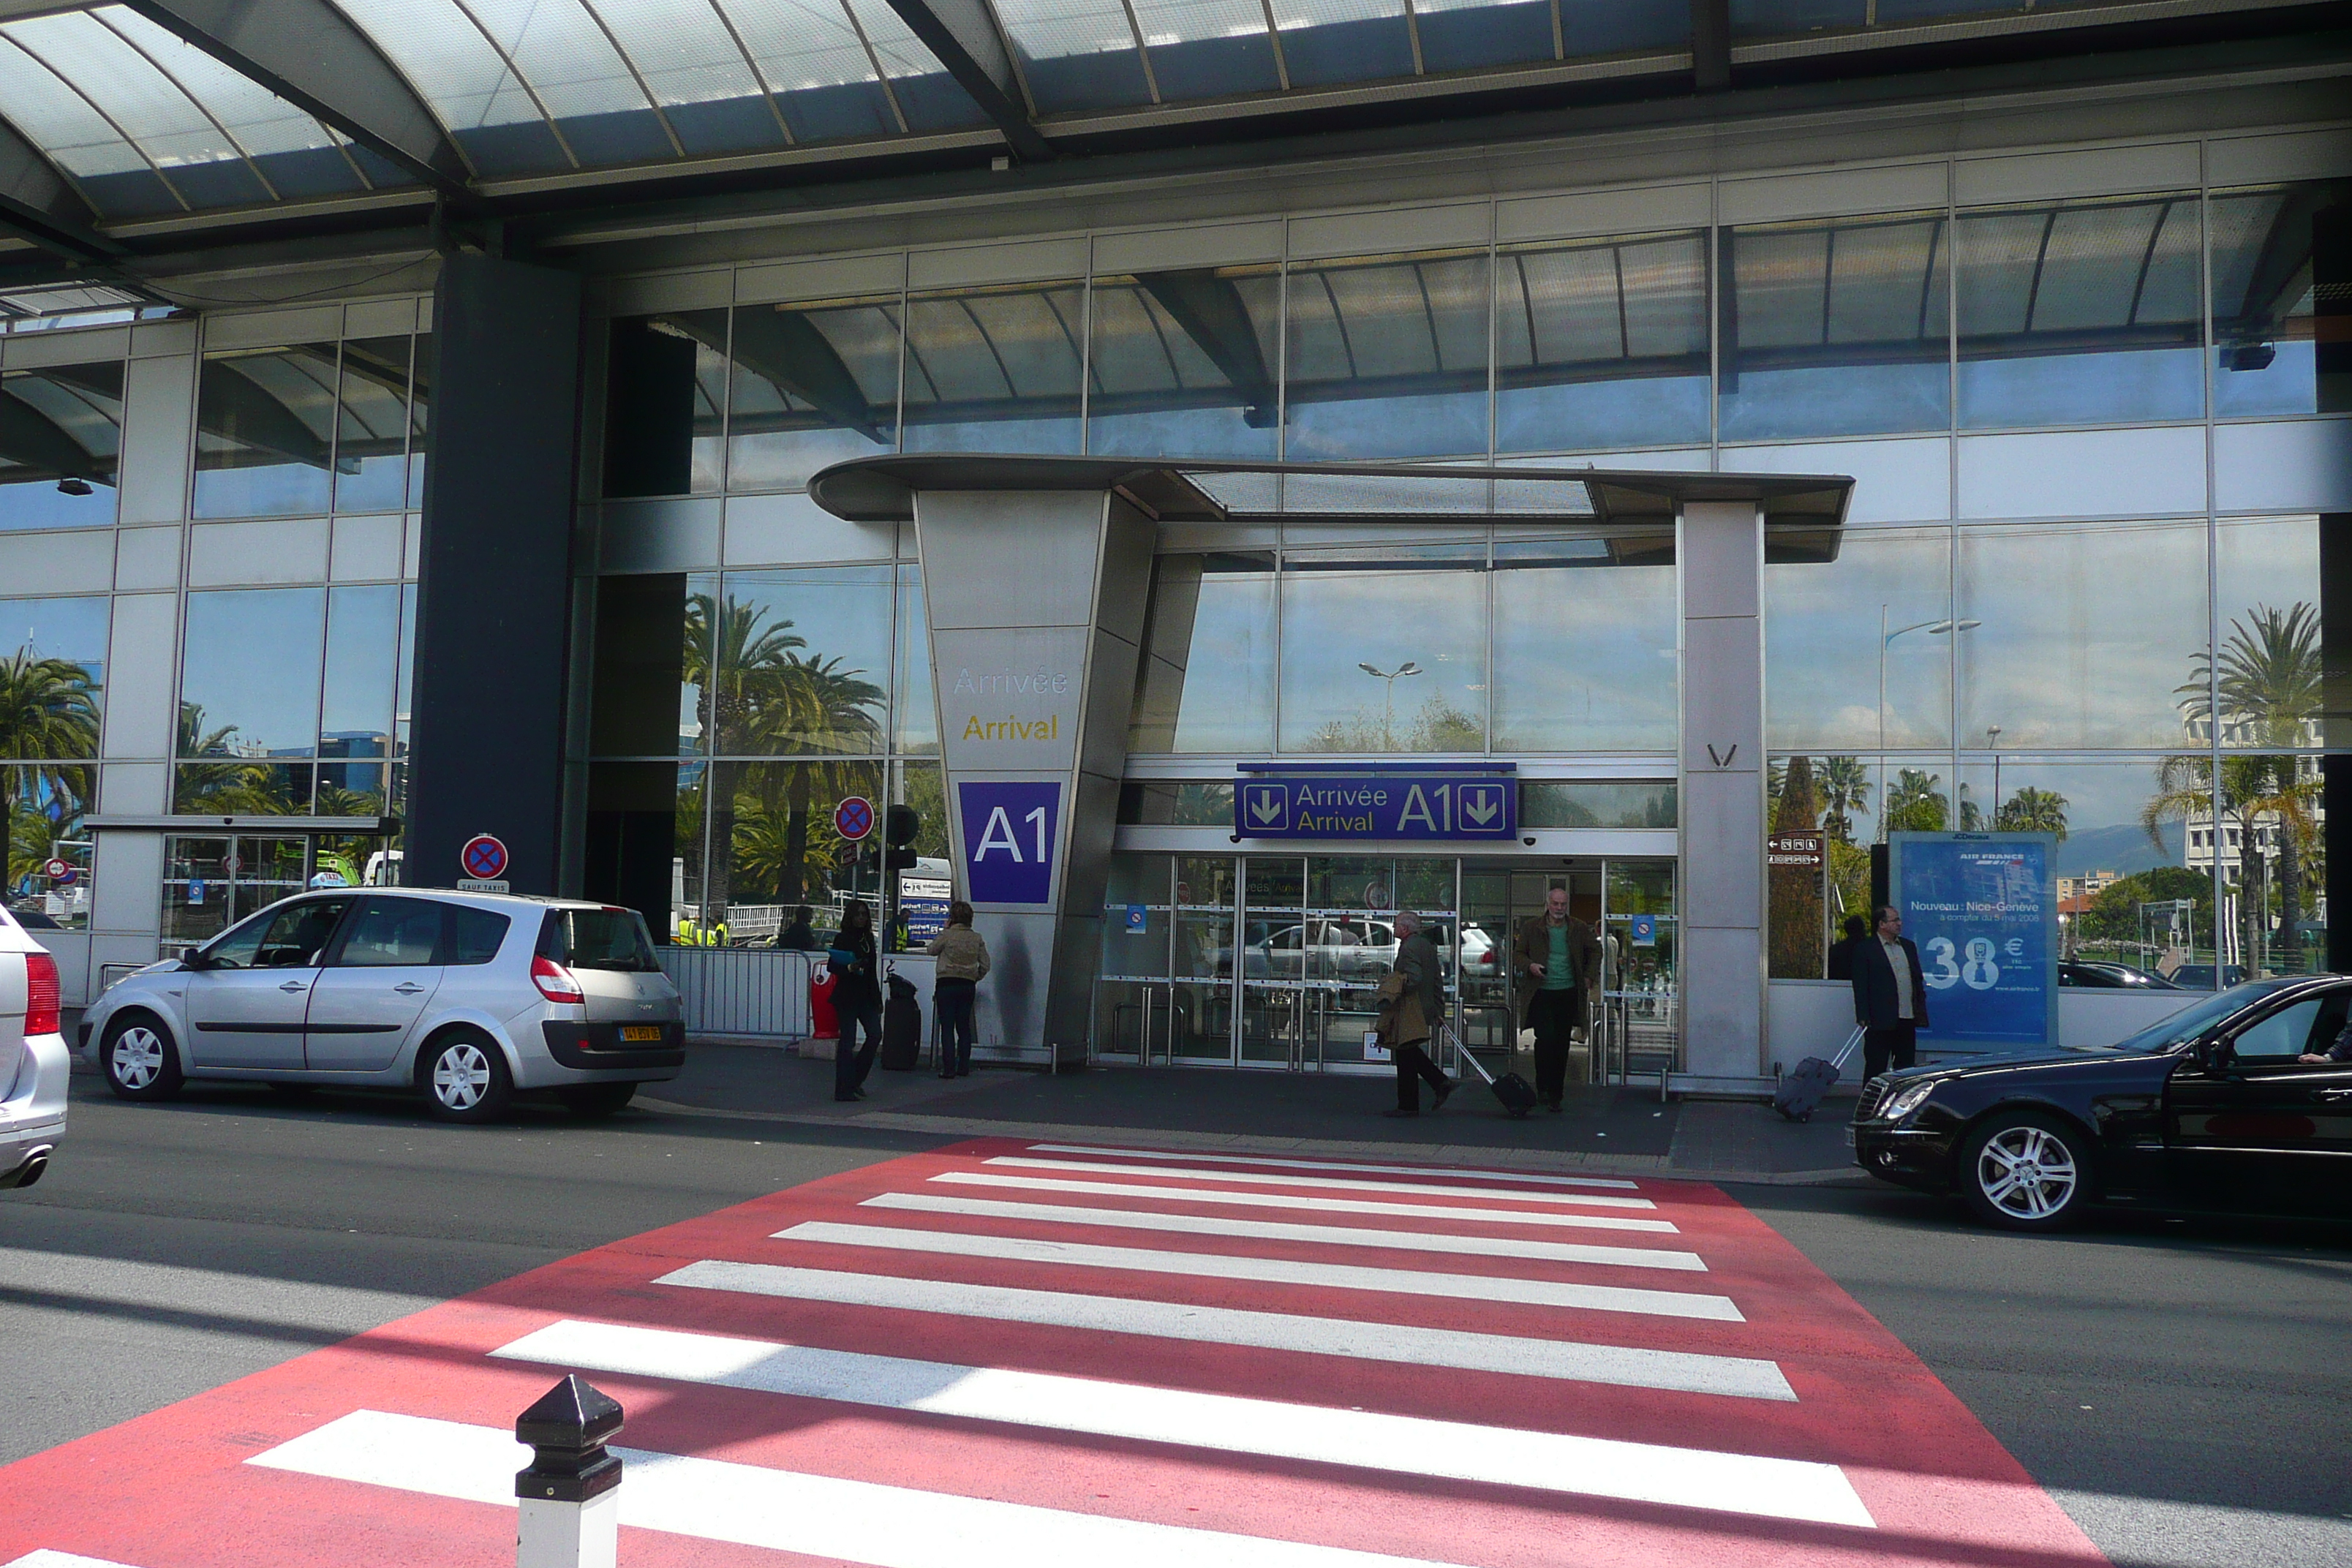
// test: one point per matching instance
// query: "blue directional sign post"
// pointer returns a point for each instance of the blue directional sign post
(1432, 806)
(1982, 909)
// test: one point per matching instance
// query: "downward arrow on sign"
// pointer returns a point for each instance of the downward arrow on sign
(1265, 807)
(1481, 807)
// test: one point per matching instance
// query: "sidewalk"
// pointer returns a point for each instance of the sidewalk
(1621, 1130)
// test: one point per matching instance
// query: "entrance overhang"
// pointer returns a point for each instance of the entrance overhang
(1037, 577)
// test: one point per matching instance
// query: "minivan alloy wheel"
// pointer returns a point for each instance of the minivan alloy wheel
(461, 1077)
(464, 1078)
(138, 1056)
(2027, 1173)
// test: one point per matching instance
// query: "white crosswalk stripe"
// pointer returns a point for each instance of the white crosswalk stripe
(1271, 1230)
(1742, 1376)
(1274, 1179)
(784, 1510)
(1304, 1204)
(1588, 1467)
(1222, 1158)
(1272, 1270)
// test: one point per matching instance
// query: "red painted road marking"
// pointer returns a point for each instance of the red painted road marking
(175, 1490)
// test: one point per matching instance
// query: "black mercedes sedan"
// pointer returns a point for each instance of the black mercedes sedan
(2234, 1102)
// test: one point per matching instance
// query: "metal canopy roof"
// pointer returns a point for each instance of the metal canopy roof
(883, 489)
(138, 117)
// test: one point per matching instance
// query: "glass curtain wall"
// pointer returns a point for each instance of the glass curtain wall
(303, 429)
(52, 687)
(61, 439)
(2081, 313)
(292, 701)
(1414, 640)
(734, 712)
(1917, 672)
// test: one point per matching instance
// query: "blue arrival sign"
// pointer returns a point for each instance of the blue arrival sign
(1009, 834)
(1392, 806)
(1982, 909)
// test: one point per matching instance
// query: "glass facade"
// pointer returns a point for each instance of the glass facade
(60, 442)
(292, 701)
(1414, 640)
(52, 682)
(308, 428)
(733, 711)
(2052, 603)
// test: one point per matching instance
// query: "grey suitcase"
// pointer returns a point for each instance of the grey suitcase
(1802, 1088)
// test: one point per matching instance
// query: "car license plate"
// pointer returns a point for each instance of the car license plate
(1849, 1137)
(641, 1031)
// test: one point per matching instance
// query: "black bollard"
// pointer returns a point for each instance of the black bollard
(570, 1494)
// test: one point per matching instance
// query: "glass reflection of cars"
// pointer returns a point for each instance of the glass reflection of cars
(2111, 976)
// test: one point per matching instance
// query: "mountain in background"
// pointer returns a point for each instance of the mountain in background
(2123, 848)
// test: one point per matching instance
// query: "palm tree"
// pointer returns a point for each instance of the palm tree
(2031, 810)
(1795, 891)
(1844, 784)
(736, 662)
(2266, 674)
(819, 706)
(48, 714)
(1914, 805)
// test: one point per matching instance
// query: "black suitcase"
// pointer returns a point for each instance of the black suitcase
(902, 1027)
(1803, 1086)
(1514, 1093)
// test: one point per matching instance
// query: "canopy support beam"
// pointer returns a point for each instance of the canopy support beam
(964, 36)
(310, 55)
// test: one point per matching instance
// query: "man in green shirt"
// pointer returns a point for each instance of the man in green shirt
(1557, 960)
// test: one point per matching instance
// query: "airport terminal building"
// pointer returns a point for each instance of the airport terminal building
(1237, 473)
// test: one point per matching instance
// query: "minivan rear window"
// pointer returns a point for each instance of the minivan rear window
(474, 936)
(597, 939)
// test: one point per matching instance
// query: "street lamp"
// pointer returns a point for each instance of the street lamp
(1933, 628)
(1388, 695)
(1992, 740)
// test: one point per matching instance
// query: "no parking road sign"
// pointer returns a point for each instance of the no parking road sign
(484, 861)
(853, 817)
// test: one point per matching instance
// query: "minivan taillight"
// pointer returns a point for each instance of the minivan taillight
(555, 981)
(41, 994)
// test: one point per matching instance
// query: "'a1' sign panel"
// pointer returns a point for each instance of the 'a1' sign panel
(1009, 834)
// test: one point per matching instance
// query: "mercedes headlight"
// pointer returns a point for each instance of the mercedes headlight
(1906, 1100)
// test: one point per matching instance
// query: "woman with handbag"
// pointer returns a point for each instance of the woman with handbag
(857, 1000)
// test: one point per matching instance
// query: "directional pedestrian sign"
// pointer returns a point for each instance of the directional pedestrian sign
(1368, 805)
(853, 817)
(484, 859)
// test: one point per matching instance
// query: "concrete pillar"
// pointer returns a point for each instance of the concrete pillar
(1720, 547)
(493, 607)
(1035, 603)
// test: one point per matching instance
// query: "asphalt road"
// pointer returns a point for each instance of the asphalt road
(2181, 1387)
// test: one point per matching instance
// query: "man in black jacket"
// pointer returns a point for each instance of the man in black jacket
(1890, 996)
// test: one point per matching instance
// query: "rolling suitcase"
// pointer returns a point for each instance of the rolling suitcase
(902, 1027)
(1802, 1089)
(1514, 1093)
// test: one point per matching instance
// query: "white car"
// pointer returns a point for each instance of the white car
(467, 998)
(33, 1062)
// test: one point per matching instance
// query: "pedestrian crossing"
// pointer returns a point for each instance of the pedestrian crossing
(1042, 1353)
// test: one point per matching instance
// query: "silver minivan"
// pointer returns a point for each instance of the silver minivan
(467, 998)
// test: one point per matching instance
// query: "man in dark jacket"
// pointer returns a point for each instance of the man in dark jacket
(1557, 960)
(1890, 996)
(1841, 966)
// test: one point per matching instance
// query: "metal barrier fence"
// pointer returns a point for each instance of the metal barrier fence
(760, 992)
